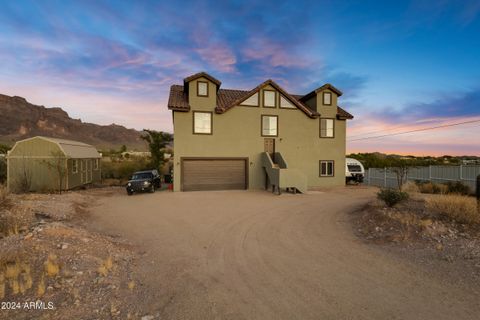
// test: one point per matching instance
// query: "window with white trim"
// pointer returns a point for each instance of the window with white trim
(74, 166)
(285, 103)
(269, 126)
(202, 89)
(95, 164)
(327, 98)
(327, 168)
(251, 101)
(202, 122)
(269, 98)
(327, 128)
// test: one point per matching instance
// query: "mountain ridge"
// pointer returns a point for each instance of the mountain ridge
(20, 119)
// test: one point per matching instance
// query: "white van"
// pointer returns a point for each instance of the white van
(354, 170)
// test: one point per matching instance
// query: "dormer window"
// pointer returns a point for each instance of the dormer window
(269, 99)
(202, 88)
(327, 98)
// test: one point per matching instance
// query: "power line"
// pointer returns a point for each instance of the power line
(401, 126)
(417, 130)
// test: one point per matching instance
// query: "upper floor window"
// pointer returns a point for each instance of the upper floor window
(202, 89)
(269, 98)
(327, 168)
(327, 128)
(285, 103)
(269, 126)
(202, 122)
(327, 98)
(251, 101)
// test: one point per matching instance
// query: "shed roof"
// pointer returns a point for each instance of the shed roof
(71, 149)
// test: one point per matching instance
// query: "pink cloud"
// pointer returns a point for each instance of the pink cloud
(219, 56)
(455, 140)
(276, 54)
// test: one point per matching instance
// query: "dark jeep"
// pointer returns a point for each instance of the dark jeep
(143, 181)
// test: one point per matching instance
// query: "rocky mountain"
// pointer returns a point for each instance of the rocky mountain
(20, 119)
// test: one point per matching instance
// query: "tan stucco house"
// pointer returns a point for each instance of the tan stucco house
(261, 138)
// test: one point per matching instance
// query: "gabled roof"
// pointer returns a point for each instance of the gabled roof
(202, 74)
(229, 98)
(320, 89)
(306, 110)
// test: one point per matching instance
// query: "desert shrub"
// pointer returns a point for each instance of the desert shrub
(410, 187)
(123, 169)
(458, 188)
(391, 196)
(432, 188)
(456, 207)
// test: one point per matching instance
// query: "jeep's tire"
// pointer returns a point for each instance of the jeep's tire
(129, 193)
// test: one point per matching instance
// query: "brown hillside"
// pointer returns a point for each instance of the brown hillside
(20, 119)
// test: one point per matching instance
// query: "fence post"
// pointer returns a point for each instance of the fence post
(369, 177)
(478, 193)
(430, 173)
(461, 175)
(385, 177)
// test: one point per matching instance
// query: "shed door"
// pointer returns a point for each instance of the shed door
(214, 174)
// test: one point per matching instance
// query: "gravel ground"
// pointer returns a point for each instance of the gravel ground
(254, 255)
(52, 268)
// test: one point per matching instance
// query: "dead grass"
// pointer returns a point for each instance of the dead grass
(410, 187)
(5, 200)
(15, 220)
(433, 188)
(459, 208)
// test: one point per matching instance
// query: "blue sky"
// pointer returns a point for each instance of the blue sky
(400, 64)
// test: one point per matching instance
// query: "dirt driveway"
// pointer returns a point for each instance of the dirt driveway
(254, 255)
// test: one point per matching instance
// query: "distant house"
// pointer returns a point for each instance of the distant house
(43, 164)
(237, 139)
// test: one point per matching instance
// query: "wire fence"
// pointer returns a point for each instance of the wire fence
(386, 177)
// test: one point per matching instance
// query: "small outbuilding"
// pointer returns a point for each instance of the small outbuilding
(47, 164)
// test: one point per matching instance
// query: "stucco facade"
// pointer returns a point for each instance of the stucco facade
(237, 133)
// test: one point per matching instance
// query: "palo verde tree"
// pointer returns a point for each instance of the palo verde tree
(157, 142)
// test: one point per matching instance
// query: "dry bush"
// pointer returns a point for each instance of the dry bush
(13, 218)
(433, 188)
(460, 208)
(410, 187)
(4, 198)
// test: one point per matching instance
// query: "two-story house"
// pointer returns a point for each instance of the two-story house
(265, 137)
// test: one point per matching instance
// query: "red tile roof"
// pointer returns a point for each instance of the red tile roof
(202, 74)
(229, 98)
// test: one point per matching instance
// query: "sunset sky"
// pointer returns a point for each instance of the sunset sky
(402, 65)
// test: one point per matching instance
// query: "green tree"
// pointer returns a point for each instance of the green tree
(4, 148)
(157, 142)
(123, 148)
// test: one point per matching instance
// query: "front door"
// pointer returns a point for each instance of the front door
(269, 146)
